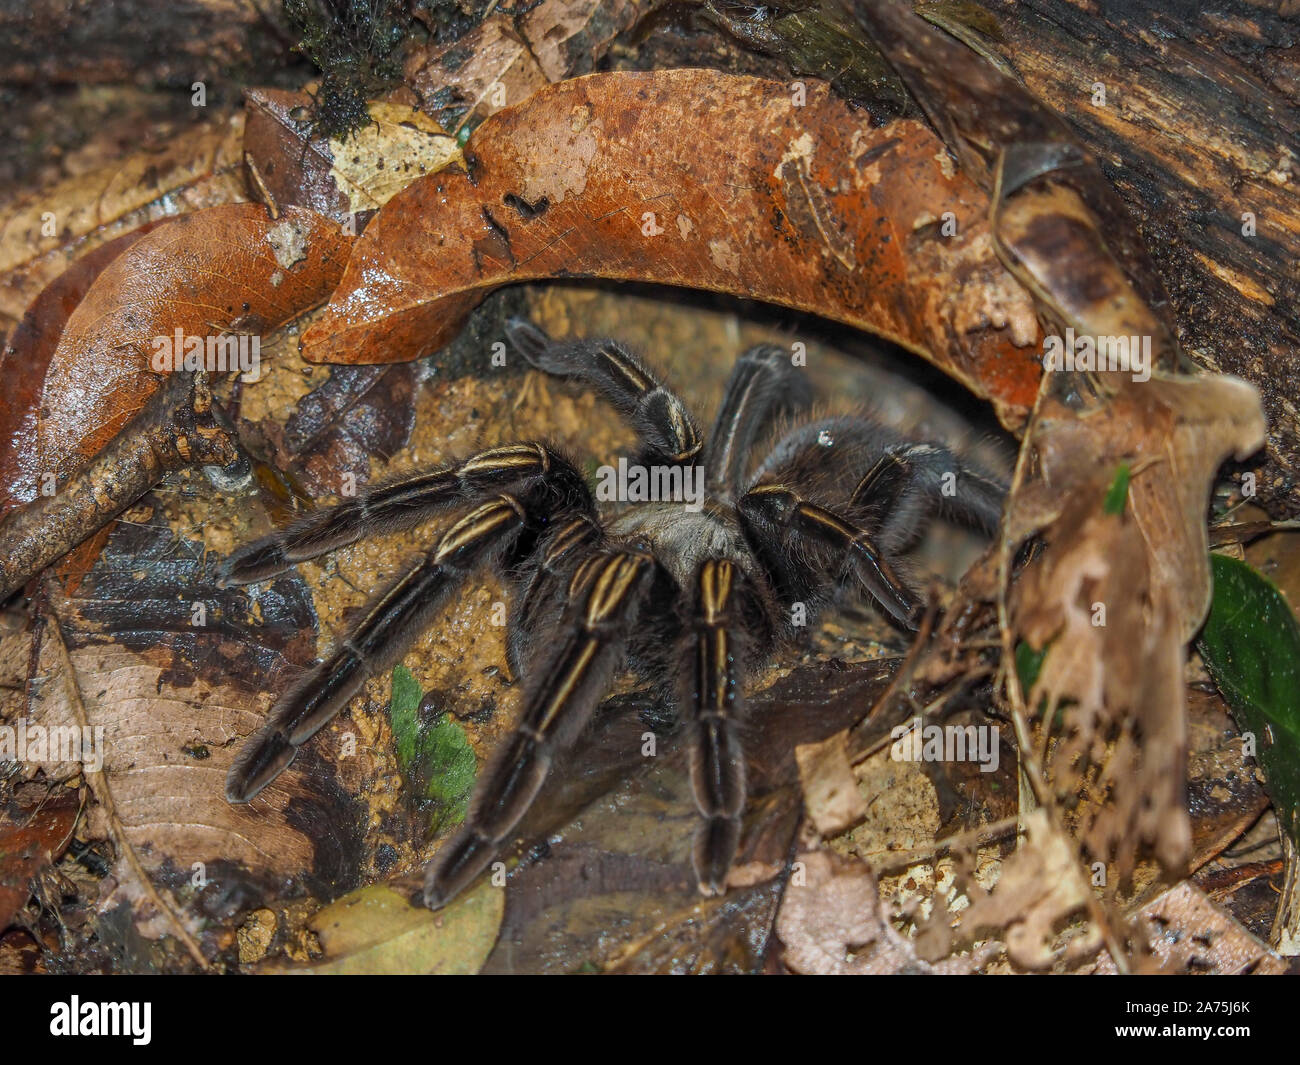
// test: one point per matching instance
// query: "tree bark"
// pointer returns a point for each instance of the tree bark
(1199, 131)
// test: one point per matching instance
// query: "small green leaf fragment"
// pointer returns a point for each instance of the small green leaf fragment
(1117, 493)
(1251, 646)
(435, 757)
(1029, 664)
(403, 714)
(448, 764)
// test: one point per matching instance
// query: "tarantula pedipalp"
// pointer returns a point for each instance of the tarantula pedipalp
(700, 593)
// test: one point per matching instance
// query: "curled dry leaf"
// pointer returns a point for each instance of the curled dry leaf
(211, 274)
(804, 206)
(203, 288)
(25, 359)
(1115, 597)
(832, 922)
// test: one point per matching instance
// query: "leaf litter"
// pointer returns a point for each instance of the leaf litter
(1170, 439)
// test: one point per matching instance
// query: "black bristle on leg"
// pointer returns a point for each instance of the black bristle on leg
(667, 432)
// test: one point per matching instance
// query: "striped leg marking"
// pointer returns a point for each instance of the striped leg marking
(659, 416)
(606, 594)
(389, 626)
(391, 506)
(712, 697)
(777, 505)
(763, 384)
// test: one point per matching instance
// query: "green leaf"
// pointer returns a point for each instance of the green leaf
(1251, 646)
(436, 758)
(1117, 494)
(403, 714)
(1028, 665)
(448, 764)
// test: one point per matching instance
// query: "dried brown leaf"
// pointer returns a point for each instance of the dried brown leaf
(465, 81)
(225, 269)
(1188, 933)
(30, 839)
(337, 178)
(806, 206)
(832, 922)
(45, 232)
(830, 790)
(1041, 890)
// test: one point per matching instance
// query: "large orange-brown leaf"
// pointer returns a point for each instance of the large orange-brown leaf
(25, 359)
(225, 269)
(709, 181)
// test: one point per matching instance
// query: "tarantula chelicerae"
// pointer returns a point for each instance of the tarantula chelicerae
(699, 592)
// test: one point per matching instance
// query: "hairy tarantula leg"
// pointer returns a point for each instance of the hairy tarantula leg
(555, 557)
(390, 624)
(887, 478)
(975, 498)
(777, 506)
(764, 384)
(605, 595)
(661, 420)
(710, 691)
(389, 506)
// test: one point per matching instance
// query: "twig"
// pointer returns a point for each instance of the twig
(175, 428)
(979, 836)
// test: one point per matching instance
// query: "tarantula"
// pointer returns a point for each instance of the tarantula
(701, 594)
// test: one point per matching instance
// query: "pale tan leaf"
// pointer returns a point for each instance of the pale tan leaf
(376, 931)
(830, 790)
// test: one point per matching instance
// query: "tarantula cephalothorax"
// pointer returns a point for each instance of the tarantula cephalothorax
(696, 592)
